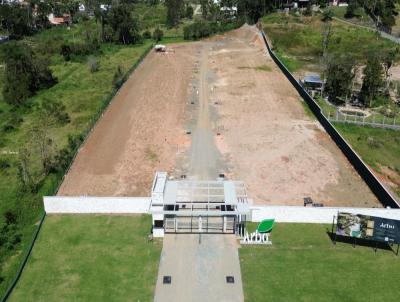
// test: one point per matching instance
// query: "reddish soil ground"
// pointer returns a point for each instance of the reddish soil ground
(280, 152)
(246, 120)
(139, 133)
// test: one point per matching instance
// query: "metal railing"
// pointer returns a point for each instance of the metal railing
(384, 122)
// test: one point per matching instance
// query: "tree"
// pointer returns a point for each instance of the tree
(16, 20)
(351, 9)
(124, 25)
(339, 78)
(174, 11)
(383, 12)
(252, 10)
(24, 73)
(308, 10)
(388, 61)
(43, 144)
(27, 177)
(204, 8)
(373, 80)
(42, 9)
(327, 35)
(321, 3)
(189, 11)
(327, 15)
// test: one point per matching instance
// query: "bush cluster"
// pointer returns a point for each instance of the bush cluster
(198, 30)
(76, 50)
(203, 29)
(25, 73)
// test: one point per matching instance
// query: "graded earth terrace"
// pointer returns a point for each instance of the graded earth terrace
(218, 106)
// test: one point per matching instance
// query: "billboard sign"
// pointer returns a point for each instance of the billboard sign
(368, 227)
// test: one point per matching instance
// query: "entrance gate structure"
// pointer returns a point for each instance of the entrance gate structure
(186, 206)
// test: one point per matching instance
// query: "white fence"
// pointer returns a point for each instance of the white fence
(141, 205)
(314, 214)
(96, 205)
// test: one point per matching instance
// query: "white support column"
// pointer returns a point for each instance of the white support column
(224, 228)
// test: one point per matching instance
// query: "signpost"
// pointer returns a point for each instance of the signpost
(368, 227)
(261, 235)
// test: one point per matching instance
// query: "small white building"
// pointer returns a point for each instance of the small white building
(185, 206)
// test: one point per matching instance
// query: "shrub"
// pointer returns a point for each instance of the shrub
(327, 15)
(4, 164)
(66, 51)
(94, 64)
(10, 217)
(12, 123)
(65, 155)
(146, 34)
(118, 77)
(158, 34)
(56, 111)
(373, 143)
(189, 11)
(197, 30)
(74, 50)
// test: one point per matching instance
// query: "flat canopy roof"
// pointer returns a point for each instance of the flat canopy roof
(313, 78)
(226, 192)
(159, 182)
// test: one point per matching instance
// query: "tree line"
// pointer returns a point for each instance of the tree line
(344, 73)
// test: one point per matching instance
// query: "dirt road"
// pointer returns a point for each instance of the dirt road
(141, 132)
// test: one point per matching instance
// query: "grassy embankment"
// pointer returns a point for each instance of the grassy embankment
(360, 18)
(304, 265)
(84, 94)
(298, 41)
(379, 148)
(91, 258)
(151, 17)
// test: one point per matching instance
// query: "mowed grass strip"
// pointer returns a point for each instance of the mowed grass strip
(91, 258)
(304, 265)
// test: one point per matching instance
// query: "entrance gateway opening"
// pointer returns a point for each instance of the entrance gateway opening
(186, 206)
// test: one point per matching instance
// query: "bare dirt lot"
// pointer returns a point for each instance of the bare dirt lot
(279, 151)
(212, 107)
(140, 132)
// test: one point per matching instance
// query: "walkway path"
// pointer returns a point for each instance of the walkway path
(199, 270)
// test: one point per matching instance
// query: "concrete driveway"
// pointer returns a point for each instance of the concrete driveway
(199, 269)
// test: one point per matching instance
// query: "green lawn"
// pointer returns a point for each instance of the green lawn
(91, 258)
(303, 265)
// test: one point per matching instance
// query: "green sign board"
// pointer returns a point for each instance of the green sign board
(368, 227)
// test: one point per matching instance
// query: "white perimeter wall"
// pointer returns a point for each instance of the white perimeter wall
(94, 205)
(314, 215)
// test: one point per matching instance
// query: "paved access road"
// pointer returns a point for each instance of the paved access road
(199, 270)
